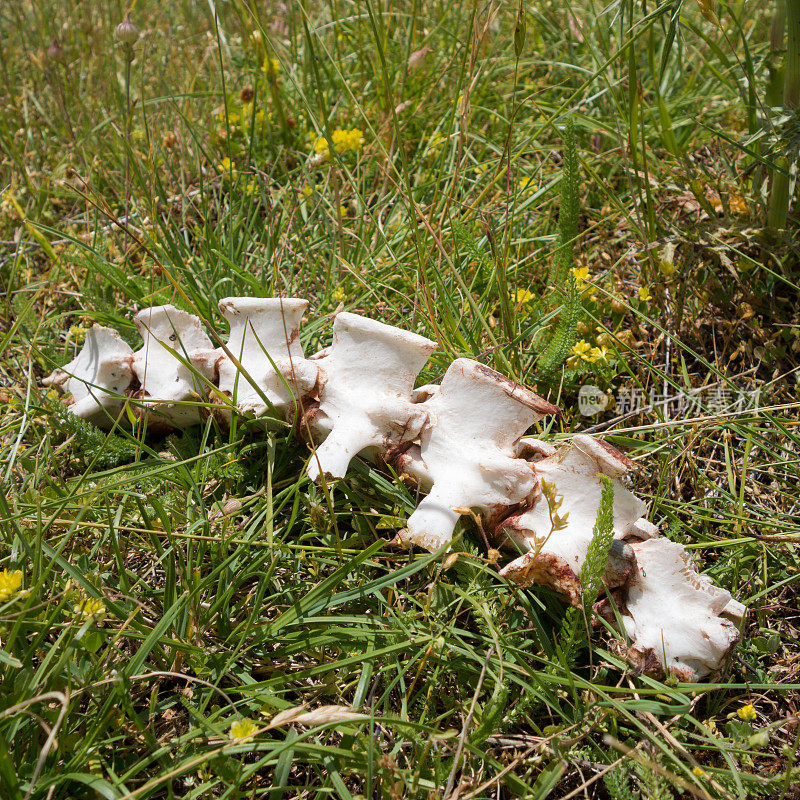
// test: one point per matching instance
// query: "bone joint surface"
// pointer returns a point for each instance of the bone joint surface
(461, 442)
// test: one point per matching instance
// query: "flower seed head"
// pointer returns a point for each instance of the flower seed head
(127, 33)
(56, 52)
(247, 94)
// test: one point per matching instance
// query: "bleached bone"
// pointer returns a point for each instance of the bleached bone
(460, 440)
(555, 558)
(98, 377)
(265, 340)
(366, 382)
(476, 419)
(678, 620)
(170, 387)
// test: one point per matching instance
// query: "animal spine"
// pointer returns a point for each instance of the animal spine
(461, 441)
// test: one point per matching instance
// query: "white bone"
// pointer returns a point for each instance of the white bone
(675, 617)
(365, 398)
(172, 337)
(644, 529)
(461, 440)
(555, 558)
(476, 419)
(98, 377)
(265, 340)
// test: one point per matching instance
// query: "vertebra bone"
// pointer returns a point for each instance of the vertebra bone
(265, 341)
(365, 398)
(555, 558)
(476, 419)
(98, 377)
(678, 620)
(174, 365)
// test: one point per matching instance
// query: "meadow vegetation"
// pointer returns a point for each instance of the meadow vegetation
(571, 193)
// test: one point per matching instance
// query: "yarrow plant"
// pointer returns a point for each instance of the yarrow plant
(10, 583)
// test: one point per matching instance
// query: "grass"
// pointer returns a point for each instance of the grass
(180, 592)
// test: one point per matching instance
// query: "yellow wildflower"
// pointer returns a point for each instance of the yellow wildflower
(90, 608)
(581, 275)
(699, 772)
(307, 190)
(596, 354)
(343, 141)
(436, 143)
(77, 333)
(747, 712)
(581, 349)
(10, 581)
(523, 297)
(644, 294)
(52, 394)
(271, 62)
(242, 730)
(338, 294)
(224, 165)
(737, 204)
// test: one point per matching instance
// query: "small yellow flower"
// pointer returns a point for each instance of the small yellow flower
(581, 349)
(10, 582)
(644, 294)
(581, 275)
(344, 141)
(338, 294)
(342, 212)
(90, 608)
(747, 712)
(77, 333)
(436, 143)
(523, 297)
(52, 394)
(596, 354)
(242, 730)
(224, 165)
(273, 63)
(307, 190)
(699, 772)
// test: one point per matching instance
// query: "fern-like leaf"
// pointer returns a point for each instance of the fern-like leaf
(560, 274)
(575, 625)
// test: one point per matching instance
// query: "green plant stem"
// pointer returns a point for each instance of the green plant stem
(778, 208)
